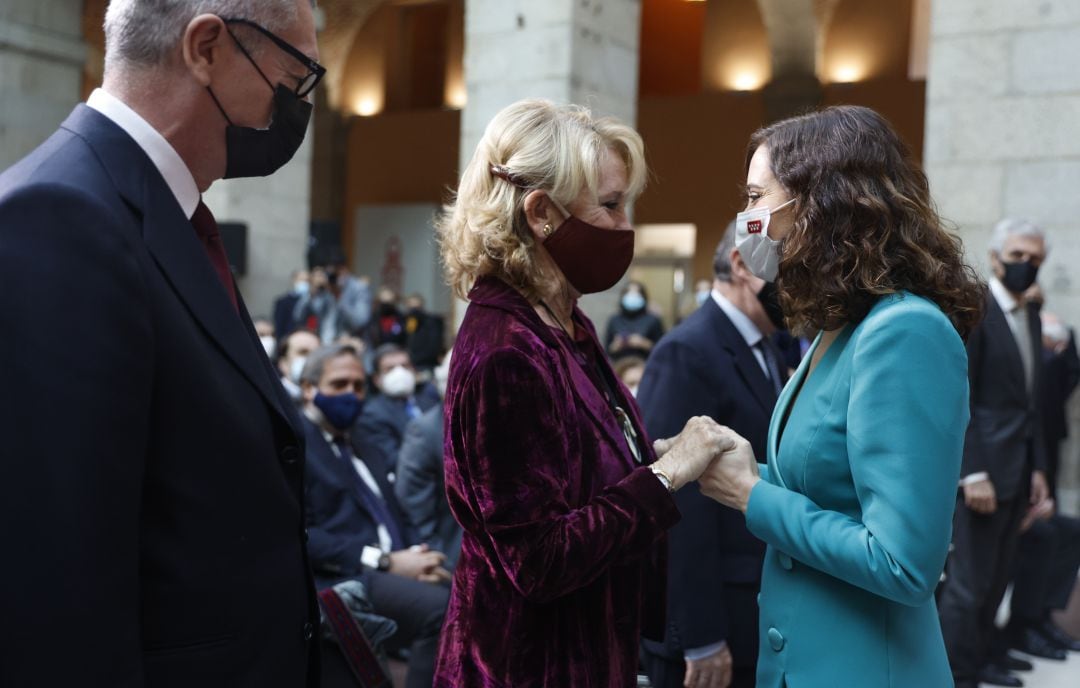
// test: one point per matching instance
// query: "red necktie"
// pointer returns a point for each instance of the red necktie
(207, 229)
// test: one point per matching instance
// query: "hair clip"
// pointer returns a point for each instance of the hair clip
(503, 172)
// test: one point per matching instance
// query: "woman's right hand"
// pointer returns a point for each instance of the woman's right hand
(685, 457)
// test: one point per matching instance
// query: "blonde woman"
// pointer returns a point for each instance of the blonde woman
(562, 501)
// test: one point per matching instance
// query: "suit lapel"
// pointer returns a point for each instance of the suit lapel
(1003, 333)
(174, 246)
(783, 403)
(745, 362)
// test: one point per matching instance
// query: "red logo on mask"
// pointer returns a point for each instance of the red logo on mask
(753, 227)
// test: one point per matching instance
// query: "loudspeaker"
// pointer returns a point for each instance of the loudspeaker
(234, 237)
(324, 244)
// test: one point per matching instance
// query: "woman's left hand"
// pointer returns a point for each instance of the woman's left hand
(732, 475)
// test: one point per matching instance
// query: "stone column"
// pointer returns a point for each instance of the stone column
(277, 211)
(579, 51)
(1003, 139)
(41, 62)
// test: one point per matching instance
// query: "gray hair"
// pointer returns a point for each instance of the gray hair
(721, 262)
(143, 32)
(1016, 227)
(316, 362)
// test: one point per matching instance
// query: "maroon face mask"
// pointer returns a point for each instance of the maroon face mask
(592, 258)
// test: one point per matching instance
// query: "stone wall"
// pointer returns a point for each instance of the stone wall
(1003, 139)
(41, 61)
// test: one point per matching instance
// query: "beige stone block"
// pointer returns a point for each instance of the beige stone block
(951, 17)
(1045, 192)
(617, 20)
(962, 67)
(968, 195)
(515, 56)
(1046, 61)
(1004, 129)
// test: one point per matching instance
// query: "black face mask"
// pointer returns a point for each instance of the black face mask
(251, 152)
(1019, 276)
(769, 297)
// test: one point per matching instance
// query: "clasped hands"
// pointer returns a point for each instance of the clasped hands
(716, 456)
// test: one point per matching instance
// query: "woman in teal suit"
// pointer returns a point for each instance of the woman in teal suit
(856, 499)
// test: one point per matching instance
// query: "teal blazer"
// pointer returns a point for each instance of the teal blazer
(856, 505)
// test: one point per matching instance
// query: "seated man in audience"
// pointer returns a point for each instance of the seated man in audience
(291, 356)
(399, 400)
(420, 486)
(355, 527)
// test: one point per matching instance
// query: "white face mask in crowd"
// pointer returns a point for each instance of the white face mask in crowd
(296, 368)
(268, 344)
(759, 251)
(398, 382)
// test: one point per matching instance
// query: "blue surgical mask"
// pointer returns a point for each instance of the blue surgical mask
(301, 288)
(633, 301)
(340, 410)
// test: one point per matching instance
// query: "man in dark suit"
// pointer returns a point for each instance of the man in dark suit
(399, 399)
(152, 494)
(1004, 456)
(720, 363)
(1048, 553)
(425, 334)
(356, 527)
(285, 304)
(420, 484)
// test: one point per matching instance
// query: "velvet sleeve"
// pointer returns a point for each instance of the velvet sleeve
(905, 419)
(513, 445)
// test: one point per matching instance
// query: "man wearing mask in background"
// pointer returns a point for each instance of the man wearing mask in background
(718, 362)
(337, 303)
(291, 356)
(420, 484)
(1004, 457)
(167, 528)
(285, 305)
(398, 401)
(356, 528)
(634, 330)
(425, 332)
(388, 325)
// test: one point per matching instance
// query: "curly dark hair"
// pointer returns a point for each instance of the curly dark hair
(865, 225)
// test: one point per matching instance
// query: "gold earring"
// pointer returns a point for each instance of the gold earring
(548, 230)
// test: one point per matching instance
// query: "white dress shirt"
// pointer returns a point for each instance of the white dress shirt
(165, 158)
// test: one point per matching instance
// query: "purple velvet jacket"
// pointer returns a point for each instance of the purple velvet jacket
(563, 555)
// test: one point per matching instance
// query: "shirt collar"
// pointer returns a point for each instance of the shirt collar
(740, 320)
(1006, 301)
(165, 158)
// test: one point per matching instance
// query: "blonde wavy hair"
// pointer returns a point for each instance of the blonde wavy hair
(532, 144)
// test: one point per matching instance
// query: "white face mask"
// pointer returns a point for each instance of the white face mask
(268, 344)
(297, 367)
(399, 382)
(759, 251)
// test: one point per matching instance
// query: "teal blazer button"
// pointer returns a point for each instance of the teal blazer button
(776, 640)
(785, 561)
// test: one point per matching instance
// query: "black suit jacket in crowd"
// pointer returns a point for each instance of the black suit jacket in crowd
(1005, 435)
(151, 497)
(705, 367)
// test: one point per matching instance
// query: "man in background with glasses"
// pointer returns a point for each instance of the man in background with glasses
(151, 494)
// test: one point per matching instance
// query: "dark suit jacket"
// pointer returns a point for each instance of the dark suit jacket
(705, 367)
(1061, 373)
(421, 488)
(1005, 435)
(284, 322)
(339, 523)
(426, 341)
(383, 422)
(157, 538)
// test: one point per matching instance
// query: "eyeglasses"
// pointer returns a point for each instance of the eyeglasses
(315, 70)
